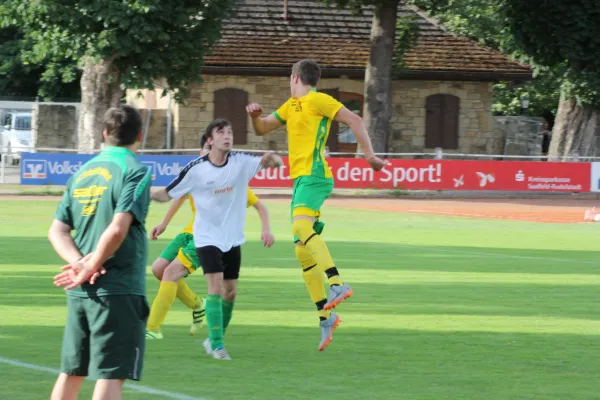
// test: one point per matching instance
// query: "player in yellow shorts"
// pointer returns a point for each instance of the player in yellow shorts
(179, 259)
(308, 115)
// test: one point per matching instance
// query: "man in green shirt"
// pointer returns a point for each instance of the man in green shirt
(105, 203)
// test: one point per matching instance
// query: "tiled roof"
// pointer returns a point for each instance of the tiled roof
(258, 37)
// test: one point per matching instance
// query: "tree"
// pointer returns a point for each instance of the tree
(482, 20)
(117, 44)
(563, 36)
(24, 80)
(377, 112)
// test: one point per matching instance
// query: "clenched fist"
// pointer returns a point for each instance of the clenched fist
(254, 110)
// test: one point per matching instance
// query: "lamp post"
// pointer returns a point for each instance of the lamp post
(524, 105)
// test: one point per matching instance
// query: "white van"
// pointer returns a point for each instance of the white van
(15, 135)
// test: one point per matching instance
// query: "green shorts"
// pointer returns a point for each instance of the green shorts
(105, 337)
(309, 194)
(182, 247)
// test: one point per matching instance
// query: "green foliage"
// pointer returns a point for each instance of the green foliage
(146, 39)
(476, 19)
(407, 37)
(482, 21)
(543, 93)
(562, 36)
(22, 80)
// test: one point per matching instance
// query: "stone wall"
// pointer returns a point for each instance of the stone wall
(54, 126)
(476, 133)
(157, 130)
(270, 92)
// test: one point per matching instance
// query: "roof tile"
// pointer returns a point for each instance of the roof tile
(257, 36)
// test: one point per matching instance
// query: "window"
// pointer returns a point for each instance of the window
(230, 104)
(441, 124)
(23, 123)
(340, 134)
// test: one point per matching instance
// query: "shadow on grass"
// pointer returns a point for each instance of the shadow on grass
(376, 256)
(34, 289)
(361, 363)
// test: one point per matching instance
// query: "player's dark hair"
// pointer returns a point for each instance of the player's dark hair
(123, 125)
(308, 71)
(218, 123)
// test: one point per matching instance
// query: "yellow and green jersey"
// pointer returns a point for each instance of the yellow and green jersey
(252, 200)
(113, 182)
(308, 120)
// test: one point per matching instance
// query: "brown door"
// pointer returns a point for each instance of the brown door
(442, 121)
(230, 104)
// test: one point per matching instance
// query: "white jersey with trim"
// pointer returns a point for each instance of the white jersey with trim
(220, 195)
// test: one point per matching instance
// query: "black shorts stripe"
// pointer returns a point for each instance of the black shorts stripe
(309, 268)
(310, 237)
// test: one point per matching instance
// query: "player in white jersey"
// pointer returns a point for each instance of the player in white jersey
(218, 183)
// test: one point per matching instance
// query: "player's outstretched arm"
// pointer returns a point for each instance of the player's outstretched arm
(60, 237)
(160, 195)
(266, 235)
(271, 160)
(173, 208)
(356, 124)
(262, 125)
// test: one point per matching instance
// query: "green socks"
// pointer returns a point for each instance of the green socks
(227, 312)
(218, 316)
(214, 318)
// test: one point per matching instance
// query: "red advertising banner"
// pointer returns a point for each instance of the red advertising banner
(355, 173)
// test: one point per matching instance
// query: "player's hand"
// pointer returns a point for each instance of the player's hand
(377, 163)
(267, 238)
(276, 160)
(70, 272)
(78, 272)
(271, 160)
(157, 231)
(97, 275)
(254, 110)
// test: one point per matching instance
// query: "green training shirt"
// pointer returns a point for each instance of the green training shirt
(113, 182)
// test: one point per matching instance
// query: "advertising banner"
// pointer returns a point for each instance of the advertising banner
(355, 173)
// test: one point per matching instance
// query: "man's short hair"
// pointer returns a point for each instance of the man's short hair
(123, 125)
(308, 71)
(218, 123)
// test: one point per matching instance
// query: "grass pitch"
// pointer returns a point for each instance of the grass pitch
(444, 308)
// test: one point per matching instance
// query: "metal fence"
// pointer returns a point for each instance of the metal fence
(438, 154)
(9, 172)
(523, 135)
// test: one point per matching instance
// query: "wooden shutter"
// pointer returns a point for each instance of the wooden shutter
(433, 123)
(441, 125)
(450, 122)
(230, 104)
(332, 140)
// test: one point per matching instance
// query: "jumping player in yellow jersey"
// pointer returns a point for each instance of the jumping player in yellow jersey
(308, 115)
(179, 259)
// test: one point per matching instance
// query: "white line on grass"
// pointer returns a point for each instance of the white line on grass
(130, 386)
(485, 254)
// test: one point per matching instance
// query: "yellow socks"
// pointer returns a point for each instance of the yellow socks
(303, 230)
(187, 296)
(314, 280)
(161, 305)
